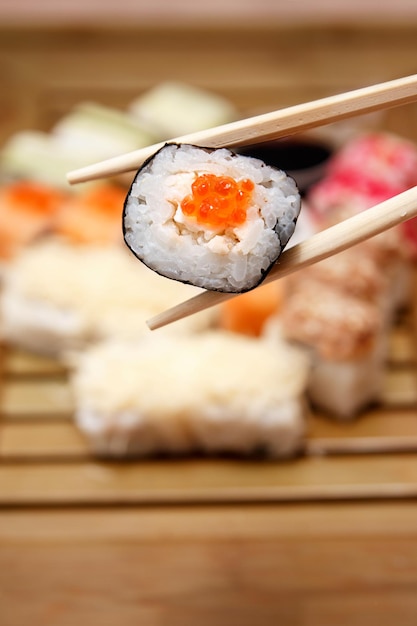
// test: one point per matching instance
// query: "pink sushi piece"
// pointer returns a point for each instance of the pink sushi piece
(379, 157)
(348, 192)
(368, 170)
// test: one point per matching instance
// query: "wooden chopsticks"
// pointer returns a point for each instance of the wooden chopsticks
(274, 125)
(318, 247)
(269, 126)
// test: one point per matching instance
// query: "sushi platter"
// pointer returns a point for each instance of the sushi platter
(46, 461)
(81, 421)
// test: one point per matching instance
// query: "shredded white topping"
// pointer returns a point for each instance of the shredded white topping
(110, 291)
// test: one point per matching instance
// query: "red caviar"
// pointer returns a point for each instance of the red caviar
(218, 201)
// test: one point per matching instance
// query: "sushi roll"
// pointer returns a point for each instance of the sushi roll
(211, 218)
(214, 400)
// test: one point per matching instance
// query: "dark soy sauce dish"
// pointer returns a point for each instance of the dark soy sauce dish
(303, 159)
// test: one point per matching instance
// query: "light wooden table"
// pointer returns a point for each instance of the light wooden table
(305, 564)
(328, 538)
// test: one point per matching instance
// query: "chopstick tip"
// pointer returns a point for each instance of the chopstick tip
(152, 323)
(72, 178)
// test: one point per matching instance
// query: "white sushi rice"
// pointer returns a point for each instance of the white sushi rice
(233, 259)
(213, 392)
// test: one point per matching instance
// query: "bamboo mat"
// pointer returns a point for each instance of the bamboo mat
(45, 461)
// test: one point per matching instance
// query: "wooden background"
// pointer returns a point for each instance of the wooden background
(217, 13)
(45, 71)
(81, 542)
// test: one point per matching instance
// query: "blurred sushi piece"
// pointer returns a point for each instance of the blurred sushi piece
(222, 393)
(27, 210)
(94, 132)
(89, 133)
(34, 155)
(354, 272)
(341, 309)
(248, 313)
(343, 195)
(380, 157)
(368, 170)
(211, 218)
(59, 296)
(346, 339)
(171, 109)
(93, 216)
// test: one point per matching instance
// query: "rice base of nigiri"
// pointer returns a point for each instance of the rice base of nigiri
(211, 218)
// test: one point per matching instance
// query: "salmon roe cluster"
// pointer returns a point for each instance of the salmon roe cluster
(218, 201)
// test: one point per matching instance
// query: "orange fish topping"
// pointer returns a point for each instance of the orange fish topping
(92, 216)
(218, 201)
(32, 197)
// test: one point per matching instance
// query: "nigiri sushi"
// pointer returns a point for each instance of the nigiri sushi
(211, 218)
(59, 296)
(214, 400)
(27, 209)
(92, 216)
(346, 338)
